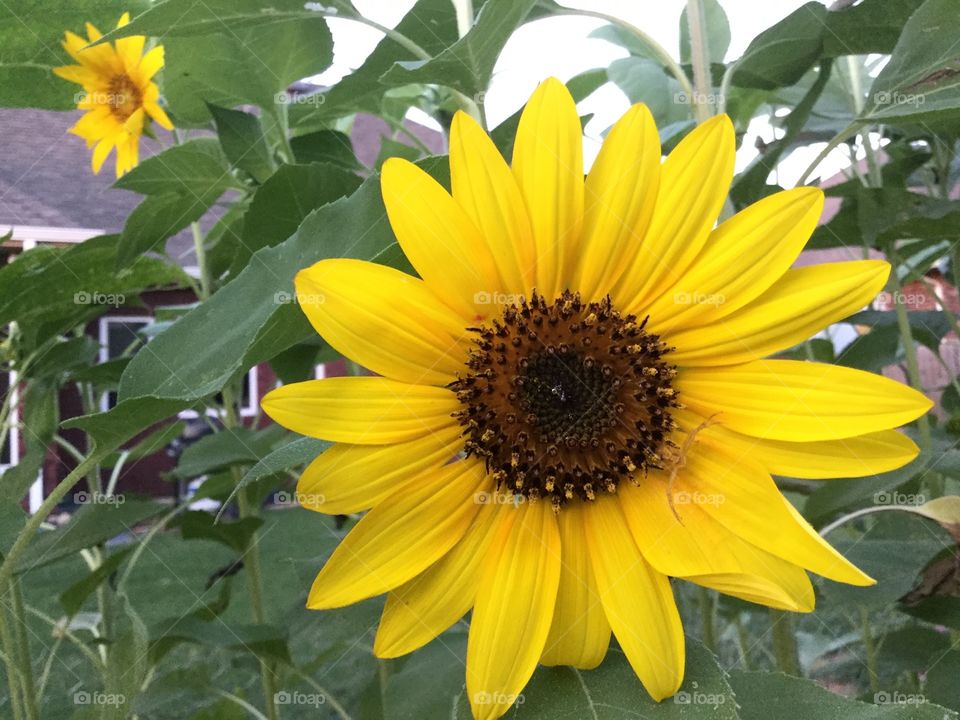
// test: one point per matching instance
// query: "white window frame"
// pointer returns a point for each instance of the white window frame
(249, 410)
(103, 335)
(13, 437)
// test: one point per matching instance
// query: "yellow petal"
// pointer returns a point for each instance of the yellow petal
(384, 319)
(419, 610)
(637, 599)
(743, 257)
(580, 633)
(485, 188)
(150, 63)
(692, 545)
(440, 240)
(799, 401)
(361, 410)
(76, 74)
(158, 114)
(349, 478)
(130, 50)
(548, 165)
(100, 153)
(514, 607)
(401, 537)
(742, 497)
(800, 305)
(619, 197)
(693, 186)
(858, 456)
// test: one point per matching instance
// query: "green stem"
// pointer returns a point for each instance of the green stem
(845, 134)
(201, 252)
(14, 681)
(700, 58)
(742, 642)
(23, 652)
(784, 642)
(251, 561)
(827, 529)
(656, 48)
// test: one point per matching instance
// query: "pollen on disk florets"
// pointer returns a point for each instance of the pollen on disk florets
(564, 400)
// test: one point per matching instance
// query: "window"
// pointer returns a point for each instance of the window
(118, 336)
(10, 454)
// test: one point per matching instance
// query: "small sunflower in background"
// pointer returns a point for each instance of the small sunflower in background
(574, 403)
(119, 95)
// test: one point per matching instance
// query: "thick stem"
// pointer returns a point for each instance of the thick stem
(700, 58)
(23, 651)
(784, 642)
(707, 611)
(14, 681)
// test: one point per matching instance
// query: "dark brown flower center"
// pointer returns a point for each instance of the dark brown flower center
(565, 400)
(124, 97)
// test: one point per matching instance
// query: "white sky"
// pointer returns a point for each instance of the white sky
(560, 46)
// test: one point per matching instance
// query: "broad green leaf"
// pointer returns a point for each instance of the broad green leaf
(431, 24)
(430, 681)
(73, 598)
(154, 442)
(197, 168)
(235, 534)
(113, 428)
(325, 146)
(294, 454)
(873, 350)
(252, 316)
(645, 81)
(154, 220)
(832, 498)
(871, 26)
(467, 64)
(941, 685)
(41, 413)
(613, 692)
(221, 449)
(762, 695)
(265, 641)
(922, 77)
(92, 524)
(242, 140)
(780, 55)
(285, 200)
(718, 32)
(128, 661)
(30, 35)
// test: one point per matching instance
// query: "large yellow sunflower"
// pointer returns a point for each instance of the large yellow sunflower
(573, 405)
(119, 94)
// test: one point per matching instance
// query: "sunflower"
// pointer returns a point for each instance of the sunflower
(572, 403)
(118, 94)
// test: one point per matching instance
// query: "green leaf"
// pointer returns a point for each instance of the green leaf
(30, 35)
(941, 685)
(431, 24)
(219, 450)
(294, 454)
(72, 599)
(762, 695)
(41, 413)
(251, 317)
(197, 168)
(870, 26)
(782, 54)
(873, 350)
(645, 81)
(92, 524)
(285, 200)
(467, 64)
(242, 140)
(127, 418)
(922, 77)
(154, 220)
(612, 692)
(834, 497)
(325, 146)
(718, 32)
(152, 443)
(235, 534)
(128, 660)
(265, 641)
